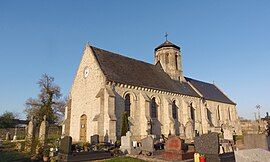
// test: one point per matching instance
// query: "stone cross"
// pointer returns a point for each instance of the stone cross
(42, 134)
(43, 130)
(30, 129)
(126, 143)
(30, 135)
(15, 134)
(7, 136)
(182, 131)
(189, 130)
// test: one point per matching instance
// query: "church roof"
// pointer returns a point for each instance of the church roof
(167, 44)
(121, 69)
(210, 91)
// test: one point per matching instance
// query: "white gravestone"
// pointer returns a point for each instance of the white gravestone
(189, 130)
(228, 134)
(15, 135)
(126, 143)
(30, 135)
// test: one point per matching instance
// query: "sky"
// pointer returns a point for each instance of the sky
(225, 42)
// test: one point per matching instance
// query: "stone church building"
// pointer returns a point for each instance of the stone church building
(158, 98)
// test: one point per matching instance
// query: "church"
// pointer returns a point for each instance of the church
(158, 98)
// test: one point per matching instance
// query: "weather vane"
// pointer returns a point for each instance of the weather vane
(166, 36)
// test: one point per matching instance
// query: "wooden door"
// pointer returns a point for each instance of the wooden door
(83, 128)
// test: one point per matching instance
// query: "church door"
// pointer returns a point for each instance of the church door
(83, 127)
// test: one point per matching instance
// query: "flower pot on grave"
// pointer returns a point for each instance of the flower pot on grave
(202, 159)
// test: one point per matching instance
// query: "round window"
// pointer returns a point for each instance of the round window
(86, 72)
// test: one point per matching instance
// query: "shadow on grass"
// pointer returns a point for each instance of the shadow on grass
(9, 154)
(13, 156)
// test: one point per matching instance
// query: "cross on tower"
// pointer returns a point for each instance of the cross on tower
(166, 36)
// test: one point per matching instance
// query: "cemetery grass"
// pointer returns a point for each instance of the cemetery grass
(8, 154)
(123, 159)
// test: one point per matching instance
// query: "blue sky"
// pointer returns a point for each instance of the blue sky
(227, 42)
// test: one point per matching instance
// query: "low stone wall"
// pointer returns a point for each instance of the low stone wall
(53, 130)
(21, 132)
(252, 141)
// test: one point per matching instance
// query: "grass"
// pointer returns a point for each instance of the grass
(13, 156)
(8, 154)
(123, 159)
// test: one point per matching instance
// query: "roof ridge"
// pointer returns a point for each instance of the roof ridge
(122, 55)
(198, 80)
(205, 84)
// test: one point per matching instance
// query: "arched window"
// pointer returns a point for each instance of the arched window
(192, 112)
(127, 104)
(218, 113)
(153, 108)
(174, 110)
(209, 115)
(229, 113)
(167, 58)
(176, 61)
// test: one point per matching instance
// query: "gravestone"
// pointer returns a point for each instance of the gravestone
(30, 136)
(126, 143)
(174, 150)
(42, 135)
(252, 155)
(43, 131)
(228, 134)
(147, 144)
(189, 130)
(207, 143)
(65, 145)
(182, 131)
(65, 148)
(30, 129)
(95, 139)
(226, 147)
(15, 134)
(8, 138)
(173, 144)
(106, 137)
(252, 141)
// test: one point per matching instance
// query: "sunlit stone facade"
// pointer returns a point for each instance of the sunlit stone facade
(157, 97)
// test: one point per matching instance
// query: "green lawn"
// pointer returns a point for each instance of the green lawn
(123, 159)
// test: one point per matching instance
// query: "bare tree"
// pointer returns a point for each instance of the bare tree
(49, 101)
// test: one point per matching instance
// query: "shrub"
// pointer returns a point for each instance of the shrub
(125, 125)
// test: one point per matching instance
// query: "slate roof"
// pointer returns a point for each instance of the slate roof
(122, 69)
(210, 91)
(167, 44)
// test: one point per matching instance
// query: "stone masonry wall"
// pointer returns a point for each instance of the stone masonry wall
(83, 95)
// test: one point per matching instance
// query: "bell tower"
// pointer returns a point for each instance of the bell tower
(169, 56)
